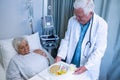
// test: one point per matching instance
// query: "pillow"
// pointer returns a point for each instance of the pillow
(7, 51)
(34, 41)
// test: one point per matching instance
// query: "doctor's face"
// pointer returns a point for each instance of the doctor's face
(81, 16)
(23, 48)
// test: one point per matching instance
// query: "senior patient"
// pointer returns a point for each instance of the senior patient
(26, 63)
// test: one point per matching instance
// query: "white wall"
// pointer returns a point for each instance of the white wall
(14, 17)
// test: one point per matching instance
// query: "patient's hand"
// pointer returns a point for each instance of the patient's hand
(40, 52)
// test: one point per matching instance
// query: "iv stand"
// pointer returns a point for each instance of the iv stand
(31, 26)
(30, 14)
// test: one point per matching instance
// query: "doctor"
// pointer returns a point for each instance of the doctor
(85, 40)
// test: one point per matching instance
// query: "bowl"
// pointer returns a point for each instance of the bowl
(58, 69)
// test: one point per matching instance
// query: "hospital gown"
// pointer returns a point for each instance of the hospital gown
(23, 67)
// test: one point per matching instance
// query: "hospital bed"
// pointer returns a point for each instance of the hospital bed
(7, 51)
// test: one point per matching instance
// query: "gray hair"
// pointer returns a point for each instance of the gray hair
(86, 5)
(17, 41)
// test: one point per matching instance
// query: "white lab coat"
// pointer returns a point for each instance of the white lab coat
(94, 54)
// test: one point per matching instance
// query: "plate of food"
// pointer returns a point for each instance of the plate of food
(58, 69)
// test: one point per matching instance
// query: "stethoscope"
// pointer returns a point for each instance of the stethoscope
(89, 43)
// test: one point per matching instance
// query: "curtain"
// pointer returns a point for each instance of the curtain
(114, 70)
(62, 11)
(110, 10)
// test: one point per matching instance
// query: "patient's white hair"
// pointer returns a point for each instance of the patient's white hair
(86, 5)
(17, 41)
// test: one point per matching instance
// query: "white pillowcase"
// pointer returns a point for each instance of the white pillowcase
(34, 41)
(7, 51)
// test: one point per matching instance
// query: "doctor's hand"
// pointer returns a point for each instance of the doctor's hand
(57, 59)
(80, 70)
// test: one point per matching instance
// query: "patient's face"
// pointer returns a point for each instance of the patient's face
(23, 48)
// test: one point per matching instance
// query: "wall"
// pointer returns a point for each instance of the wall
(14, 17)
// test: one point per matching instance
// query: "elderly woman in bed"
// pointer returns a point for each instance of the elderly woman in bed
(26, 63)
